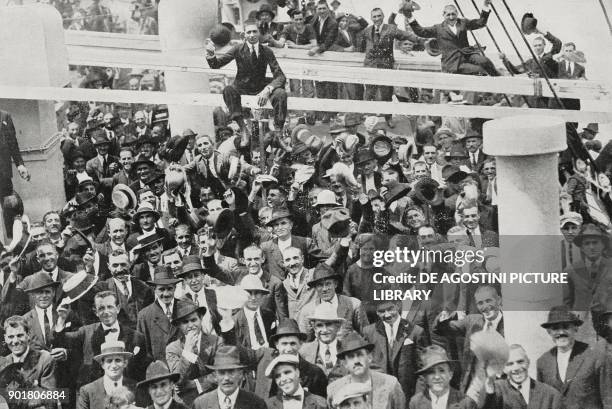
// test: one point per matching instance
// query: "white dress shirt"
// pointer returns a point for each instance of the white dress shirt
(333, 350)
(119, 285)
(495, 322)
(284, 244)
(54, 273)
(22, 357)
(250, 316)
(439, 402)
(333, 301)
(453, 28)
(232, 397)
(391, 330)
(111, 336)
(41, 319)
(294, 403)
(110, 386)
(165, 308)
(563, 359)
(254, 47)
(370, 183)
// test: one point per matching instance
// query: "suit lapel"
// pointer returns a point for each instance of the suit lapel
(97, 339)
(575, 362)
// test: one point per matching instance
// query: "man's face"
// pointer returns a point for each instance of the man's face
(256, 158)
(47, 257)
(473, 144)
(282, 227)
(255, 299)
(143, 171)
(358, 402)
(195, 280)
(326, 289)
(366, 253)
(17, 339)
(165, 293)
(148, 197)
(570, 231)
(568, 50)
(369, 167)
(388, 312)
(275, 198)
(206, 194)
(126, 159)
(426, 236)
(161, 392)
(420, 171)
(153, 253)
(322, 10)
(265, 17)
(377, 17)
(146, 149)
(430, 154)
(74, 130)
(489, 169)
(357, 362)
(108, 120)
(471, 217)
(438, 378)
(38, 234)
(538, 46)
(343, 23)
(43, 297)
(183, 238)
(205, 146)
(450, 15)
(563, 334)
(102, 149)
(288, 345)
(214, 207)
(134, 84)
(79, 164)
(89, 188)
(287, 378)
(113, 366)
(488, 303)
(337, 186)
(293, 260)
(106, 310)
(53, 224)
(415, 218)
(326, 331)
(389, 176)
(157, 132)
(119, 267)
(191, 323)
(146, 221)
(228, 380)
(173, 261)
(251, 34)
(517, 366)
(592, 247)
(253, 259)
(117, 231)
(139, 119)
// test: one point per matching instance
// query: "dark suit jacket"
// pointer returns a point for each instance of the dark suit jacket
(456, 400)
(157, 329)
(241, 326)
(93, 395)
(274, 264)
(38, 367)
(541, 396)
(244, 400)
(9, 148)
(380, 53)
(403, 358)
(62, 276)
(326, 37)
(311, 401)
(168, 242)
(551, 67)
(173, 405)
(251, 79)
(142, 296)
(94, 169)
(579, 72)
(453, 47)
(581, 388)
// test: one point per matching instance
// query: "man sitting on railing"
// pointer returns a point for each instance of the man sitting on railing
(458, 56)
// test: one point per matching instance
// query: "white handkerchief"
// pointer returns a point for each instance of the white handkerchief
(408, 341)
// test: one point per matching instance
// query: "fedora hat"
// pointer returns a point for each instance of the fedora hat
(145, 208)
(592, 127)
(82, 198)
(374, 123)
(353, 342)
(100, 138)
(352, 119)
(490, 347)
(185, 309)
(363, 156)
(457, 151)
(347, 142)
(427, 191)
(336, 221)
(288, 327)
(529, 23)
(227, 357)
(561, 315)
(144, 140)
(281, 359)
(112, 348)
(146, 240)
(591, 230)
(158, 371)
(303, 173)
(127, 140)
(396, 192)
(41, 280)
(266, 180)
(163, 276)
(78, 285)
(123, 197)
(432, 46)
(350, 390)
(432, 356)
(141, 160)
(265, 8)
(470, 133)
(325, 312)
(326, 198)
(76, 153)
(321, 272)
(80, 220)
(453, 174)
(251, 282)
(278, 214)
(336, 128)
(190, 263)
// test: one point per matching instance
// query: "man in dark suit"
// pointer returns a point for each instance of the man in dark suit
(254, 325)
(473, 145)
(477, 235)
(9, 149)
(160, 384)
(103, 166)
(518, 390)
(252, 60)
(229, 373)
(286, 374)
(396, 344)
(88, 339)
(377, 42)
(571, 366)
(569, 69)
(458, 56)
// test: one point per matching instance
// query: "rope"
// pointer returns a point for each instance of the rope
(603, 7)
(501, 22)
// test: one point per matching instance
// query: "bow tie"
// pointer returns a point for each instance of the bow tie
(292, 397)
(108, 331)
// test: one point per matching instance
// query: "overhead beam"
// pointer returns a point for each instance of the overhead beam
(302, 104)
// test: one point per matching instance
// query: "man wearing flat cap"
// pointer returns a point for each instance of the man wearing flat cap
(571, 222)
(571, 366)
(285, 372)
(189, 354)
(353, 396)
(229, 374)
(160, 384)
(356, 355)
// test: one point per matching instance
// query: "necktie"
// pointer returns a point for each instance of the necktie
(376, 35)
(169, 313)
(195, 349)
(471, 237)
(110, 330)
(473, 161)
(104, 166)
(227, 402)
(390, 337)
(47, 326)
(253, 56)
(327, 357)
(594, 272)
(258, 335)
(126, 290)
(292, 397)
(571, 256)
(194, 298)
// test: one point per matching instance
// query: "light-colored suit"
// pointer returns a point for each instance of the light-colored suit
(93, 395)
(296, 300)
(386, 391)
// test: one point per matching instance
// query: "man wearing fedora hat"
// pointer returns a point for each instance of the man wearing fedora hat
(189, 354)
(572, 367)
(367, 167)
(268, 29)
(473, 144)
(284, 369)
(113, 358)
(103, 166)
(143, 168)
(356, 354)
(148, 253)
(160, 384)
(229, 373)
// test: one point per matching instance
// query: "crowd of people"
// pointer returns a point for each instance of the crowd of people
(235, 270)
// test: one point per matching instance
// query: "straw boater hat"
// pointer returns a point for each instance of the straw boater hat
(227, 357)
(432, 356)
(146, 240)
(112, 348)
(326, 198)
(350, 390)
(230, 297)
(185, 309)
(41, 280)
(123, 197)
(145, 208)
(281, 359)
(78, 285)
(325, 312)
(561, 315)
(158, 371)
